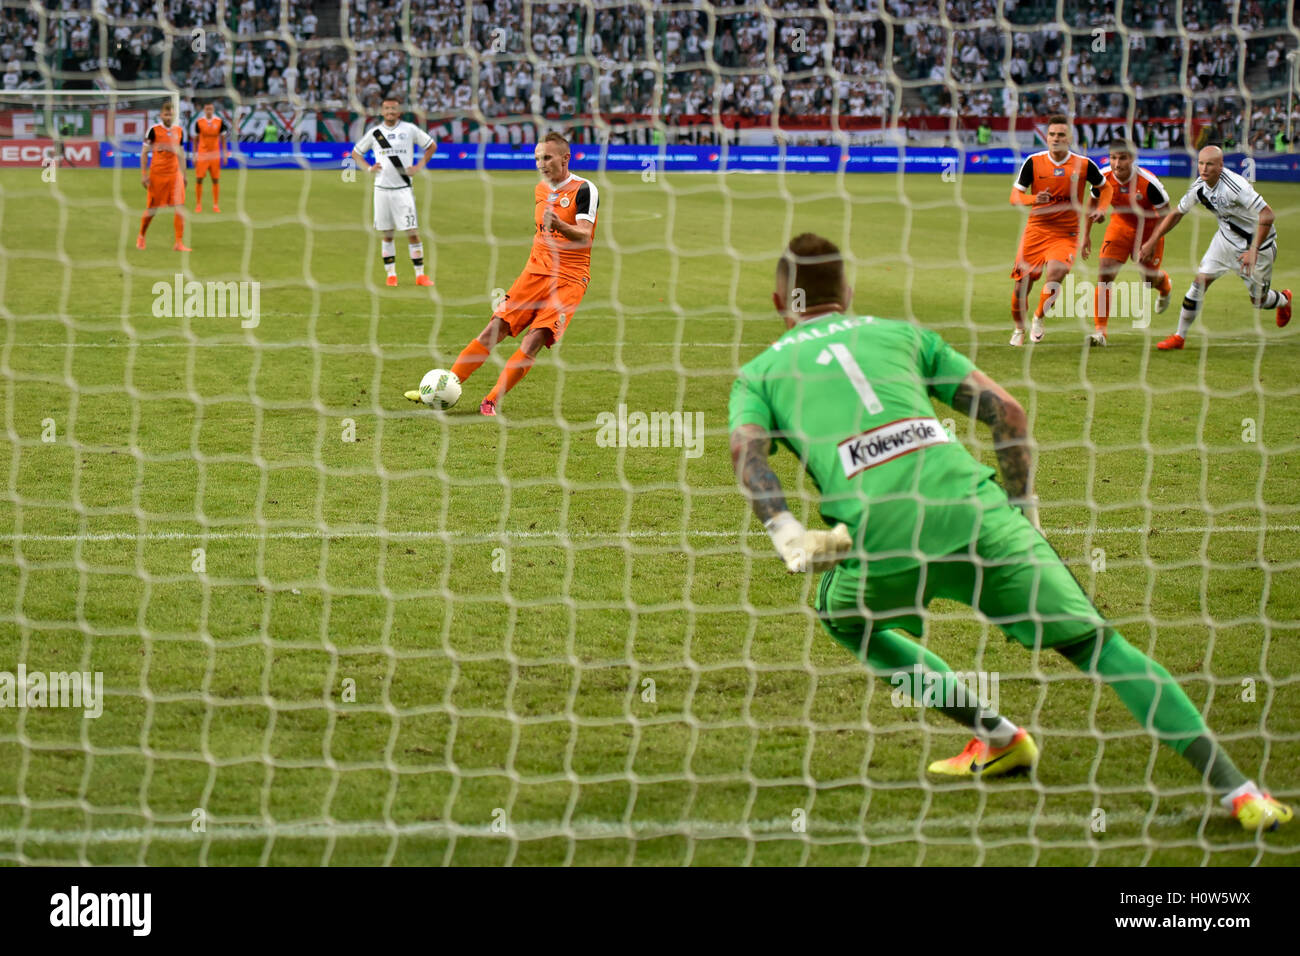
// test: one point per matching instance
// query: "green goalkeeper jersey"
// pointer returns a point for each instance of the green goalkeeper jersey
(850, 396)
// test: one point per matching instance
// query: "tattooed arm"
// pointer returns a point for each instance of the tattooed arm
(984, 399)
(800, 549)
(749, 445)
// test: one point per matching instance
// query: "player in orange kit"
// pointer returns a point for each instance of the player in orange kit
(1139, 200)
(164, 176)
(547, 293)
(1054, 183)
(213, 147)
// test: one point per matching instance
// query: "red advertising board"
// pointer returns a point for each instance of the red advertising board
(38, 152)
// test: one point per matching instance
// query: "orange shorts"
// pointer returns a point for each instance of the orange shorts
(541, 302)
(207, 167)
(1121, 243)
(1039, 248)
(166, 191)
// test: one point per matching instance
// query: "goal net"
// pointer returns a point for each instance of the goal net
(258, 608)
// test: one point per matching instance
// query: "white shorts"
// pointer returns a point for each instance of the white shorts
(395, 209)
(1222, 257)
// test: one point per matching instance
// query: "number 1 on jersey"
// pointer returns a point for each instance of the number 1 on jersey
(853, 370)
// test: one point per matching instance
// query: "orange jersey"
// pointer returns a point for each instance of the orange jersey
(165, 162)
(209, 136)
(552, 255)
(1068, 181)
(1142, 198)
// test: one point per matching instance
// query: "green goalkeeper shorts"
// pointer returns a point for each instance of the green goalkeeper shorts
(1013, 577)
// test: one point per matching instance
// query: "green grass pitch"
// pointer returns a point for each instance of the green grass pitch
(496, 595)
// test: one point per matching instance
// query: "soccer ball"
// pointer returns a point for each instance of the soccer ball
(440, 388)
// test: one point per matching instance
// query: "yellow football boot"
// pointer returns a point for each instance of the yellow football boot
(1260, 812)
(981, 760)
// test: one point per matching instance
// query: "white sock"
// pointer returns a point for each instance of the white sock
(1187, 316)
(1002, 734)
(390, 256)
(1249, 787)
(417, 257)
(1273, 299)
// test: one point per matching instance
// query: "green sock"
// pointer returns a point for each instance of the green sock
(1158, 703)
(1205, 754)
(926, 678)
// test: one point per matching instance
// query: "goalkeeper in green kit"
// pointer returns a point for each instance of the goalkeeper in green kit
(916, 517)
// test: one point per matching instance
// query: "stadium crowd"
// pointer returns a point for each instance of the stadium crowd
(737, 60)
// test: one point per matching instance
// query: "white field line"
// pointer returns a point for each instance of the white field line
(592, 829)
(314, 534)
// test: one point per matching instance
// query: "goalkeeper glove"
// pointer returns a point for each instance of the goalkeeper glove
(804, 550)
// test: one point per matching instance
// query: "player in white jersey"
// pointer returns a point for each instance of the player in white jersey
(393, 143)
(1245, 243)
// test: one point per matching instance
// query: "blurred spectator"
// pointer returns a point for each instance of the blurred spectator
(504, 58)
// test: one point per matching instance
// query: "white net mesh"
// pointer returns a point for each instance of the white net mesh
(334, 627)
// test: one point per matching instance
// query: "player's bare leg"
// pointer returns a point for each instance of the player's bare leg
(1191, 308)
(516, 368)
(496, 330)
(1054, 274)
(390, 257)
(417, 257)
